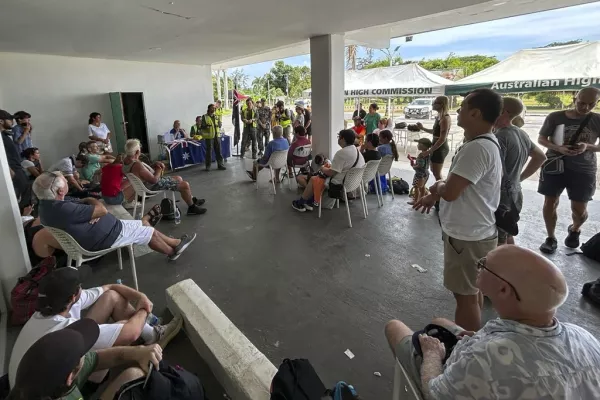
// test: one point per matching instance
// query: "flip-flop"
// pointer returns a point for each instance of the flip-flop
(251, 176)
(155, 215)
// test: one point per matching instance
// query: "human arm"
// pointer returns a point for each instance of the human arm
(139, 299)
(145, 175)
(120, 355)
(73, 182)
(34, 171)
(92, 135)
(421, 127)
(537, 160)
(99, 209)
(431, 367)
(547, 131)
(26, 131)
(106, 158)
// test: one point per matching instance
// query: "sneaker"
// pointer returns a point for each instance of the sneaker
(130, 205)
(296, 205)
(194, 209)
(549, 246)
(186, 240)
(315, 204)
(572, 240)
(198, 201)
(251, 176)
(166, 333)
(308, 206)
(221, 168)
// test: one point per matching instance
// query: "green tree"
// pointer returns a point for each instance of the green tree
(555, 44)
(237, 76)
(284, 79)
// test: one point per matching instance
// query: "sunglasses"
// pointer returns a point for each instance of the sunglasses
(481, 265)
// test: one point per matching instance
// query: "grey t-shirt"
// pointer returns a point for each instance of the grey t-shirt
(585, 162)
(74, 218)
(515, 147)
(509, 360)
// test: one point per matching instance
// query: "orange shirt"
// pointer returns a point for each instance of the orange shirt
(360, 131)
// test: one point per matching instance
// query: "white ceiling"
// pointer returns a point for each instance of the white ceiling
(224, 33)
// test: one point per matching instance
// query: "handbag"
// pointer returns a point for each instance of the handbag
(556, 165)
(507, 217)
(336, 190)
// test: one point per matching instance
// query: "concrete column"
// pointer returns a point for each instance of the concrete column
(218, 74)
(14, 261)
(327, 99)
(226, 89)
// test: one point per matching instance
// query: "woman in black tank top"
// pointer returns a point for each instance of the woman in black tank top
(45, 243)
(441, 127)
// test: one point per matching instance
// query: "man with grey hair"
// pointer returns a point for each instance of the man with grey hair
(525, 353)
(279, 143)
(90, 224)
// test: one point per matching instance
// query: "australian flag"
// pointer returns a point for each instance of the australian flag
(183, 153)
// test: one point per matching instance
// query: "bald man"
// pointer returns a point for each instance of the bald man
(526, 353)
(576, 149)
(516, 149)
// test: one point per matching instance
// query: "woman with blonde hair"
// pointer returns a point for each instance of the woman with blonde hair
(440, 130)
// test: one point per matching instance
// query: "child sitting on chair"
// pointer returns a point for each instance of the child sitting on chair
(421, 167)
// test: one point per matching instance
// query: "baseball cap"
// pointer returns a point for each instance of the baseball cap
(46, 365)
(56, 289)
(5, 115)
(424, 141)
(300, 104)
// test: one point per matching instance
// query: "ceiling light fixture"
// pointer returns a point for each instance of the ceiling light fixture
(171, 3)
(500, 3)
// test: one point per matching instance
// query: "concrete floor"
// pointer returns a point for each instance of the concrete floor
(298, 286)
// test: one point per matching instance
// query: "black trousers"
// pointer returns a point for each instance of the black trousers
(214, 143)
(264, 134)
(249, 135)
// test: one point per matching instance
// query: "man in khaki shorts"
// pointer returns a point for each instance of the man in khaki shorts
(468, 199)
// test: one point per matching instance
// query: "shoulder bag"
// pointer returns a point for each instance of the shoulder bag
(507, 217)
(556, 165)
(336, 191)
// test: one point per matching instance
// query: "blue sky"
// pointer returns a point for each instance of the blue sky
(500, 38)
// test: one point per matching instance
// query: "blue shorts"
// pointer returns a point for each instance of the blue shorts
(165, 183)
(114, 201)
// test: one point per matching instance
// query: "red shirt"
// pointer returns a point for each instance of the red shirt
(110, 182)
(300, 141)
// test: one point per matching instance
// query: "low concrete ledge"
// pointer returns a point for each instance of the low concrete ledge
(243, 371)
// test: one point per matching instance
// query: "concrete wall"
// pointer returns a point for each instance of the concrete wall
(61, 92)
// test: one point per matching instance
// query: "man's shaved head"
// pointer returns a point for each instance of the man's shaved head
(541, 286)
(512, 106)
(586, 100)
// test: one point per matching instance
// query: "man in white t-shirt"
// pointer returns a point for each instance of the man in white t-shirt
(68, 168)
(345, 159)
(61, 302)
(469, 198)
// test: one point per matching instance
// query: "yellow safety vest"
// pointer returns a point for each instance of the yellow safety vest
(219, 115)
(212, 126)
(287, 122)
(195, 132)
(243, 115)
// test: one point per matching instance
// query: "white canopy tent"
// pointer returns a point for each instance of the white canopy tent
(568, 67)
(401, 80)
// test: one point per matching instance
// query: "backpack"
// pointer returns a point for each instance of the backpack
(23, 297)
(167, 208)
(343, 391)
(591, 291)
(591, 248)
(400, 186)
(297, 380)
(168, 383)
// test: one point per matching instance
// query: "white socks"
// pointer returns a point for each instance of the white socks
(149, 334)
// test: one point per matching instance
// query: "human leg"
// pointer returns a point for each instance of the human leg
(260, 133)
(267, 135)
(550, 215)
(218, 155)
(253, 140)
(436, 170)
(209, 150)
(244, 141)
(468, 311)
(185, 191)
(110, 305)
(399, 337)
(395, 331)
(130, 374)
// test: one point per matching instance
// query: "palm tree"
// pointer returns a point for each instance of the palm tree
(351, 52)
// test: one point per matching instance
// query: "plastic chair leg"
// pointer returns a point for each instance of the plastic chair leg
(272, 179)
(320, 206)
(143, 206)
(78, 262)
(120, 259)
(132, 260)
(391, 186)
(380, 188)
(69, 262)
(363, 197)
(347, 208)
(378, 191)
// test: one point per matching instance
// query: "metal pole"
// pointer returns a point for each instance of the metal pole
(226, 93)
(268, 92)
(218, 85)
(390, 98)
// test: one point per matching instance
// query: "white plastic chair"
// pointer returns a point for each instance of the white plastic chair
(410, 137)
(404, 387)
(144, 192)
(302, 151)
(277, 161)
(371, 173)
(385, 169)
(352, 181)
(79, 254)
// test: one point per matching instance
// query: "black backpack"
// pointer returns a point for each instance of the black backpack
(591, 291)
(400, 186)
(591, 248)
(168, 383)
(297, 380)
(167, 208)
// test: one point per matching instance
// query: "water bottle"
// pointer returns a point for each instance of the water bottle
(177, 216)
(119, 282)
(152, 320)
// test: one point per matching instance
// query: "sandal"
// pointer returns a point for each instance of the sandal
(155, 215)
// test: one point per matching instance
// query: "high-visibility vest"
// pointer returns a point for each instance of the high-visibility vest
(243, 114)
(287, 122)
(212, 126)
(219, 115)
(195, 132)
